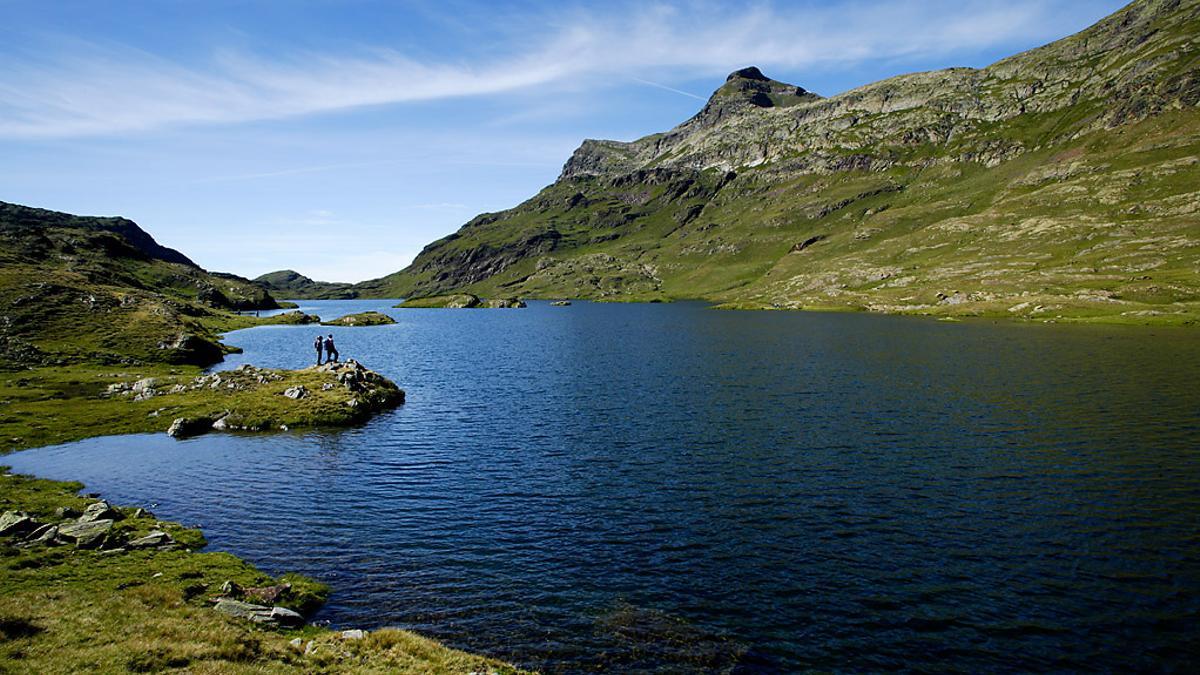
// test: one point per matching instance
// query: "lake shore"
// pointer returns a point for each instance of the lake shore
(117, 606)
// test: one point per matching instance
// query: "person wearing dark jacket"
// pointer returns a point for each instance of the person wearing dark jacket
(331, 352)
(318, 343)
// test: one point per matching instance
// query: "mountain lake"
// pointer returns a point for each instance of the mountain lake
(669, 487)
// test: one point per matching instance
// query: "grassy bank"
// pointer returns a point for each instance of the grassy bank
(65, 609)
(45, 406)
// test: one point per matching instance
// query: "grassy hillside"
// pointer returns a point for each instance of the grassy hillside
(292, 284)
(78, 289)
(1059, 184)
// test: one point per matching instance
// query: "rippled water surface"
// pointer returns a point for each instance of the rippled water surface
(677, 488)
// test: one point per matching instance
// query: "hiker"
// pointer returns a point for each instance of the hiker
(318, 343)
(331, 352)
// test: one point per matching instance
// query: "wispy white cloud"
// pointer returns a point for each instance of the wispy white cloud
(88, 89)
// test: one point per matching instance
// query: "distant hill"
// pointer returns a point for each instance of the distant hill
(293, 285)
(1061, 182)
(76, 288)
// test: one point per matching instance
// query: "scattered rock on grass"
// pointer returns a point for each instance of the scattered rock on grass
(16, 522)
(100, 511)
(271, 616)
(90, 534)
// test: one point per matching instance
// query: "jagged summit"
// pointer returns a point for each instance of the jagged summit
(749, 73)
(749, 85)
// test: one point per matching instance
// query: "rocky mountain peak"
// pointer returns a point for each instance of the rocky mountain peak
(749, 73)
(749, 85)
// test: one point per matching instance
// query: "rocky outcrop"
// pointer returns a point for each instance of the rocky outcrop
(505, 303)
(281, 617)
(86, 534)
(186, 427)
(94, 528)
(16, 523)
(361, 319)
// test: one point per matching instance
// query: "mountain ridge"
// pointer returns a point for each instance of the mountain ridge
(985, 168)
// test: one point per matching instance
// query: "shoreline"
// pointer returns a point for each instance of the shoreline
(162, 590)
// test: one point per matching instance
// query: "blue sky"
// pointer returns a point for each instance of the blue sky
(338, 137)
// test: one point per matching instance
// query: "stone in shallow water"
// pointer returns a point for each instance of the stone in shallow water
(183, 427)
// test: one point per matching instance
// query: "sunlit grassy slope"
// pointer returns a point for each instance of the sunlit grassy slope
(1059, 184)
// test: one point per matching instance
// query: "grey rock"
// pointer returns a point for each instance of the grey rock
(185, 427)
(86, 534)
(354, 634)
(154, 539)
(100, 511)
(505, 303)
(561, 303)
(286, 617)
(296, 393)
(46, 534)
(16, 522)
(66, 513)
(272, 616)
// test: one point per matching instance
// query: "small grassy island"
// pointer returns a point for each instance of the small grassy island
(361, 319)
(102, 332)
(461, 301)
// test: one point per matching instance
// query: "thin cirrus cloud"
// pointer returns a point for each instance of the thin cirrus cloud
(93, 89)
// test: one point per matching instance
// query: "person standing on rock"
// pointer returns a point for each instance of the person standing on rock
(331, 352)
(318, 343)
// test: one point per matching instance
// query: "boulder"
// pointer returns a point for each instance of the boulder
(155, 539)
(100, 511)
(505, 303)
(147, 384)
(66, 513)
(354, 634)
(296, 393)
(464, 301)
(16, 523)
(271, 616)
(86, 534)
(186, 427)
(46, 534)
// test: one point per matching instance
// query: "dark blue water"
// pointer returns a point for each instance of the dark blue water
(677, 488)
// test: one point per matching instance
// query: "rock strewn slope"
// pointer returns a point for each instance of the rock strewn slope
(1057, 182)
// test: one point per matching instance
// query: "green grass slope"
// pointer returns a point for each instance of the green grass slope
(78, 289)
(292, 284)
(1058, 184)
